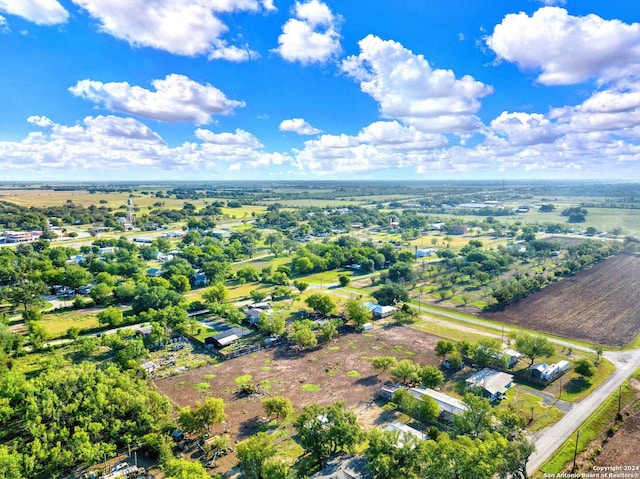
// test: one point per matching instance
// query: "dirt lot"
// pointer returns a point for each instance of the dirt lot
(597, 305)
(336, 371)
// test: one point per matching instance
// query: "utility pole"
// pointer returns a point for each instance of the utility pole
(575, 452)
(619, 401)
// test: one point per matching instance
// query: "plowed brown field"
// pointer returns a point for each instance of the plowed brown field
(599, 305)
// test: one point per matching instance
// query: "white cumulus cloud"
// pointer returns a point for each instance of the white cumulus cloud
(176, 98)
(407, 88)
(109, 142)
(565, 48)
(182, 27)
(313, 36)
(40, 12)
(381, 145)
(299, 126)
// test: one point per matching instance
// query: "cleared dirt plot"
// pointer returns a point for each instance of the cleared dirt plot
(338, 371)
(598, 305)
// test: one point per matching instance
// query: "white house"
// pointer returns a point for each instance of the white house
(379, 311)
(425, 252)
(549, 372)
(494, 384)
(447, 404)
(404, 432)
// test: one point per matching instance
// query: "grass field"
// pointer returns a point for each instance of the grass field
(58, 323)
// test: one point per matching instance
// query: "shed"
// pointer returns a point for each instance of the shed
(222, 339)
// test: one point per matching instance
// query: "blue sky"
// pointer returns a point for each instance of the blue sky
(281, 90)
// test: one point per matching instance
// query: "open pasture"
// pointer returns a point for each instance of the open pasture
(598, 305)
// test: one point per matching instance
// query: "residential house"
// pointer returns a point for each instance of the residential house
(494, 384)
(512, 357)
(154, 272)
(404, 432)
(449, 406)
(379, 311)
(342, 466)
(549, 372)
(425, 252)
(253, 314)
(200, 279)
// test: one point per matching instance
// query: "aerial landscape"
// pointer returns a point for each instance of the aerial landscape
(315, 239)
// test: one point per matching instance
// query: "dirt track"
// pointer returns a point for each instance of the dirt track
(598, 305)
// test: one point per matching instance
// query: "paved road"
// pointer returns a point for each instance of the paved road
(552, 438)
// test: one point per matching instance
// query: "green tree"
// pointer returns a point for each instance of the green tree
(101, 293)
(515, 458)
(321, 303)
(25, 293)
(130, 356)
(344, 280)
(277, 407)
(218, 293)
(179, 283)
(325, 430)
(390, 294)
(444, 347)
(37, 334)
(300, 285)
(254, 452)
(476, 418)
(275, 243)
(202, 416)
(391, 456)
(258, 296)
(357, 312)
(272, 324)
(302, 335)
(75, 276)
(10, 463)
(382, 363)
(156, 297)
(329, 329)
(111, 316)
(534, 347)
(406, 372)
(184, 469)
(488, 352)
(431, 377)
(584, 367)
(404, 315)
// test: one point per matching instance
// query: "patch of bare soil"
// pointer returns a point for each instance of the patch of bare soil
(339, 370)
(598, 305)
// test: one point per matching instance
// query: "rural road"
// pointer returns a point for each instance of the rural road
(552, 438)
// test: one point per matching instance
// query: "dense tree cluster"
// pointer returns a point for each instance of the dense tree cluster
(71, 416)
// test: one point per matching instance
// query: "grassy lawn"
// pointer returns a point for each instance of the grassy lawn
(58, 323)
(575, 388)
(522, 403)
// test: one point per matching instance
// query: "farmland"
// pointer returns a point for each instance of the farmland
(338, 246)
(597, 305)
